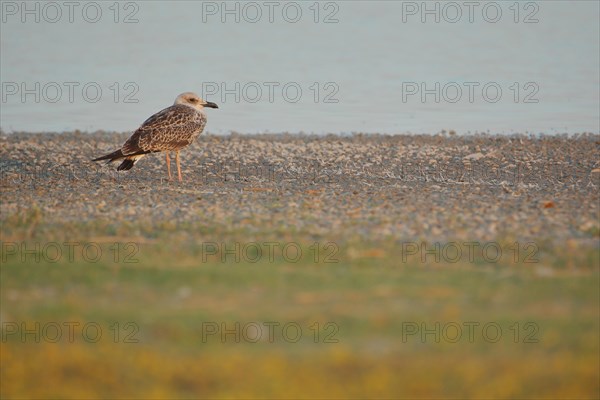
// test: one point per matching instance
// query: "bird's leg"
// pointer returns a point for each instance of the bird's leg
(178, 167)
(169, 166)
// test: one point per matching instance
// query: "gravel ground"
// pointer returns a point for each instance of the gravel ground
(431, 187)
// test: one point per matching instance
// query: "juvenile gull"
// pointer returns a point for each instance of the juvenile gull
(173, 128)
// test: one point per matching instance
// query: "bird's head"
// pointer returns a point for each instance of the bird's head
(193, 100)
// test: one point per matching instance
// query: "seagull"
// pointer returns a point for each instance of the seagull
(168, 130)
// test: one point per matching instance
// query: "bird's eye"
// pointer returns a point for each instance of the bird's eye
(193, 100)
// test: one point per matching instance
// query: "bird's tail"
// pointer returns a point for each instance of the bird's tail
(128, 162)
(115, 155)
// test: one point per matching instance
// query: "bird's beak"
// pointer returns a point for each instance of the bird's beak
(210, 104)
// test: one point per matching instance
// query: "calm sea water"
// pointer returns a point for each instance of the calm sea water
(343, 66)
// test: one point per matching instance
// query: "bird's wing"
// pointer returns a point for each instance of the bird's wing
(169, 129)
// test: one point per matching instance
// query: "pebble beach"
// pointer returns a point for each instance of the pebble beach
(441, 187)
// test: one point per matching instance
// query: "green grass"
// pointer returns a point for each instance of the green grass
(370, 296)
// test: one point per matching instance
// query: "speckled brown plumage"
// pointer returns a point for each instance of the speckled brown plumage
(171, 129)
